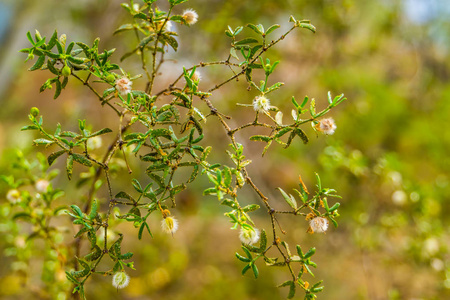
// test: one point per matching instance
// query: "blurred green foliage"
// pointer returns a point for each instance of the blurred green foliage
(388, 158)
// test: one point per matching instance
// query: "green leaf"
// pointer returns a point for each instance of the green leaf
(38, 64)
(123, 195)
(286, 283)
(288, 198)
(261, 138)
(291, 293)
(307, 26)
(226, 174)
(334, 207)
(310, 253)
(299, 251)
(94, 208)
(272, 28)
(77, 210)
(302, 135)
(171, 41)
(42, 142)
(52, 68)
(52, 157)
(81, 159)
(245, 269)
(58, 89)
(246, 41)
(255, 270)
(124, 27)
(263, 242)
(70, 47)
(21, 215)
(282, 132)
(251, 207)
(255, 29)
(52, 41)
(242, 258)
(69, 166)
(29, 127)
(100, 132)
(143, 43)
(274, 87)
(141, 15)
(141, 230)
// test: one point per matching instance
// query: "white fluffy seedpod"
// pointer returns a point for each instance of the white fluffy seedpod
(190, 16)
(249, 235)
(279, 118)
(94, 143)
(327, 126)
(123, 86)
(169, 225)
(261, 104)
(197, 76)
(13, 196)
(318, 224)
(120, 280)
(294, 115)
(168, 26)
(42, 185)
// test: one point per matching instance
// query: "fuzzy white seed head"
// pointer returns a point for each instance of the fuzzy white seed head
(279, 118)
(168, 26)
(197, 76)
(318, 224)
(13, 196)
(169, 225)
(94, 143)
(261, 104)
(249, 236)
(123, 86)
(190, 16)
(294, 114)
(327, 126)
(41, 185)
(120, 280)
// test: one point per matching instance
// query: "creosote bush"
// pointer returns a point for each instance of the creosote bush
(173, 141)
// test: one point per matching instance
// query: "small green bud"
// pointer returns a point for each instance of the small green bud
(30, 56)
(66, 71)
(62, 40)
(110, 78)
(34, 111)
(38, 35)
(267, 67)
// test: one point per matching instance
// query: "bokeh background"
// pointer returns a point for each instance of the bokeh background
(389, 158)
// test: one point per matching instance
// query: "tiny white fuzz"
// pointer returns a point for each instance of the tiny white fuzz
(196, 76)
(279, 118)
(94, 143)
(249, 236)
(327, 126)
(294, 114)
(13, 196)
(318, 224)
(42, 185)
(168, 26)
(169, 225)
(261, 104)
(120, 280)
(190, 16)
(123, 86)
